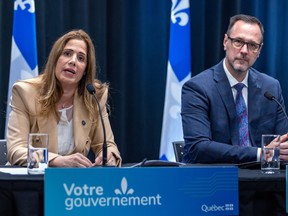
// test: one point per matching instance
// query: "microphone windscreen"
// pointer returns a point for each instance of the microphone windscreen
(268, 95)
(90, 88)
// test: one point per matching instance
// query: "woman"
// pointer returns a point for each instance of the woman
(57, 102)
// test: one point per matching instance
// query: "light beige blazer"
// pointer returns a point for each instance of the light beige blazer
(23, 120)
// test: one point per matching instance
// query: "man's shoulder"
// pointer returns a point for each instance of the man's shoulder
(255, 74)
(208, 74)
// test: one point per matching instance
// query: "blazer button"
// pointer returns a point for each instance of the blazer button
(83, 122)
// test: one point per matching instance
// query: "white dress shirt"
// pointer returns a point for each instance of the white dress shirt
(233, 82)
(65, 131)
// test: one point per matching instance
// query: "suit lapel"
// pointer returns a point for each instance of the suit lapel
(81, 122)
(48, 125)
(254, 88)
(225, 92)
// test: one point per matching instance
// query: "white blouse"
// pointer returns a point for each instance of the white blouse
(65, 131)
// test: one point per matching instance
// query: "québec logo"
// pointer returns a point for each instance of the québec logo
(83, 196)
(215, 208)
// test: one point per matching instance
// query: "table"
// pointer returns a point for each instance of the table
(259, 194)
(21, 195)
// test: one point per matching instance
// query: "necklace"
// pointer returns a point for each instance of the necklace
(66, 105)
(65, 102)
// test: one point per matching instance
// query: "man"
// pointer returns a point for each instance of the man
(209, 111)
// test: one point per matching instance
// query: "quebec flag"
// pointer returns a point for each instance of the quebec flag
(178, 72)
(23, 63)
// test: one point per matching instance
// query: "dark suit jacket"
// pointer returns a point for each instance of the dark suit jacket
(209, 116)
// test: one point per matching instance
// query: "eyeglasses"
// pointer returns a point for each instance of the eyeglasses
(238, 44)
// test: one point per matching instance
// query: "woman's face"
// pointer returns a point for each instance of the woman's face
(72, 63)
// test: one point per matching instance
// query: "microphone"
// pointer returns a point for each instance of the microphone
(92, 91)
(269, 96)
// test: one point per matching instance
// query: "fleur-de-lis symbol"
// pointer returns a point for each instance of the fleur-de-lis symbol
(124, 187)
(177, 12)
(22, 4)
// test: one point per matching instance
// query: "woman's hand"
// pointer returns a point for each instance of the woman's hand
(111, 160)
(74, 160)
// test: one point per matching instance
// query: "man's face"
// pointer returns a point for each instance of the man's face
(242, 46)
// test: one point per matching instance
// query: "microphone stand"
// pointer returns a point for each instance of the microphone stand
(269, 96)
(92, 91)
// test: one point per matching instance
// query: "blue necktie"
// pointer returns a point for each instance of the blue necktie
(242, 116)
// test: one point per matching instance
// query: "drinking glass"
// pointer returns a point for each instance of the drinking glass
(37, 157)
(270, 153)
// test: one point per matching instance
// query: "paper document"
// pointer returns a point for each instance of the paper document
(14, 171)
